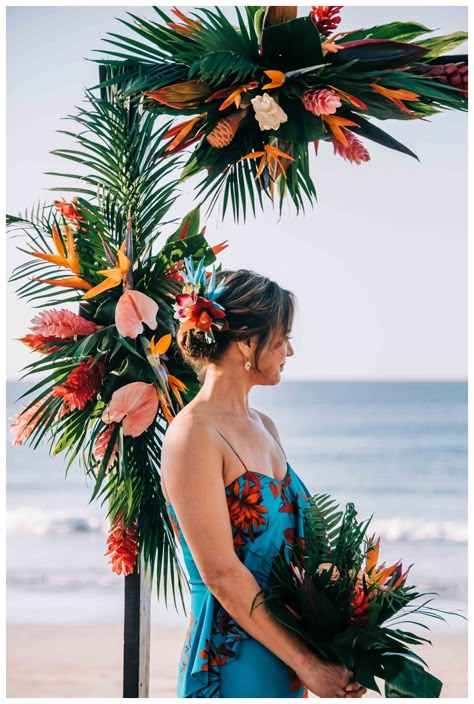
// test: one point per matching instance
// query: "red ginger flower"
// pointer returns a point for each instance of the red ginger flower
(321, 102)
(360, 603)
(101, 444)
(40, 343)
(81, 385)
(355, 152)
(68, 210)
(122, 547)
(326, 17)
(61, 323)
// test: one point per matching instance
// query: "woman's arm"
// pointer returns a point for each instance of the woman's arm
(191, 466)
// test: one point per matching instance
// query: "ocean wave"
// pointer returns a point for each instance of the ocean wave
(419, 530)
(26, 520)
(42, 522)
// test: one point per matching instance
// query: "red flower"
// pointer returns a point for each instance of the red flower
(201, 315)
(326, 17)
(122, 547)
(360, 602)
(40, 343)
(355, 152)
(82, 385)
(244, 507)
(68, 210)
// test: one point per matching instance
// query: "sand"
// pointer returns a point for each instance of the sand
(86, 661)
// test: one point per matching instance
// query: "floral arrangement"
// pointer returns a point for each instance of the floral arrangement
(329, 588)
(111, 377)
(256, 96)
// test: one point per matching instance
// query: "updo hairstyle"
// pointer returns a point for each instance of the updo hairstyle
(251, 301)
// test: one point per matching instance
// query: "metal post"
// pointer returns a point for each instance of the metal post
(136, 635)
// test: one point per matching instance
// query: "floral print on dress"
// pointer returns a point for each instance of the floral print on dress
(263, 513)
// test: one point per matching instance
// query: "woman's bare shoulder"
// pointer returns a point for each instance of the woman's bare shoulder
(268, 423)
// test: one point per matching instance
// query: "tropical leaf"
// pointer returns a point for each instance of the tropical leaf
(396, 31)
(440, 45)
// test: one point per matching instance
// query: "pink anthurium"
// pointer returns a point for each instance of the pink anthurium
(133, 309)
(135, 404)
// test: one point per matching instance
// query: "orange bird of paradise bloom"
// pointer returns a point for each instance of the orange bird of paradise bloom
(397, 96)
(236, 95)
(68, 260)
(181, 131)
(114, 276)
(269, 155)
(335, 123)
(277, 79)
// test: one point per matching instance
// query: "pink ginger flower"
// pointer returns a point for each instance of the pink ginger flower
(355, 152)
(101, 444)
(23, 424)
(62, 324)
(321, 102)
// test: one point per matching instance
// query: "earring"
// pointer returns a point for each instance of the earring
(248, 365)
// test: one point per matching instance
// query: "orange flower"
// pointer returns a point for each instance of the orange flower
(349, 98)
(40, 343)
(133, 309)
(176, 385)
(122, 547)
(397, 96)
(181, 131)
(81, 386)
(268, 156)
(277, 79)
(218, 248)
(68, 210)
(245, 510)
(114, 276)
(189, 26)
(236, 95)
(70, 282)
(135, 404)
(69, 261)
(335, 123)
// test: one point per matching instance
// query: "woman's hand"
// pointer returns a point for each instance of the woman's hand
(326, 679)
(354, 690)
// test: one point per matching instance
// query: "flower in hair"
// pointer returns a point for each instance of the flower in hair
(196, 307)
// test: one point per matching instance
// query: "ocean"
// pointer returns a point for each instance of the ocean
(397, 450)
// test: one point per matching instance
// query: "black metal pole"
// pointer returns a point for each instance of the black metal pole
(136, 634)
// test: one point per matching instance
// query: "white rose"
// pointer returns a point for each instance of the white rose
(268, 113)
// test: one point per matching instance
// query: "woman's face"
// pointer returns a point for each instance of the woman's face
(272, 360)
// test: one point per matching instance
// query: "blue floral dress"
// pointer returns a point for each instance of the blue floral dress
(219, 658)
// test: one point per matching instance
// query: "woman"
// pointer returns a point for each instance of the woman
(223, 460)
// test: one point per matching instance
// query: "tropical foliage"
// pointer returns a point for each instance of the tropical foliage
(256, 95)
(111, 378)
(330, 589)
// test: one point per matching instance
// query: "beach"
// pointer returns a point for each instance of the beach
(86, 661)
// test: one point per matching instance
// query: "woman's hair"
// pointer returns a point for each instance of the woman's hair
(251, 301)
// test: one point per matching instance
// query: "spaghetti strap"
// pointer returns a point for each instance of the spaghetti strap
(232, 449)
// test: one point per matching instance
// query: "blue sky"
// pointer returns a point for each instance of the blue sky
(379, 265)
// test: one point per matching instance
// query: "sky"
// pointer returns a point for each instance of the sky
(378, 265)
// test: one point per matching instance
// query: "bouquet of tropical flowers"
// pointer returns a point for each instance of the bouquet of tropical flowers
(330, 589)
(111, 379)
(257, 95)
